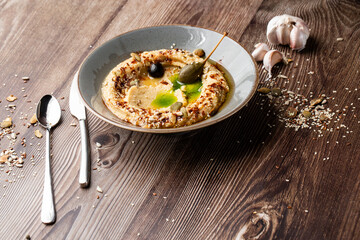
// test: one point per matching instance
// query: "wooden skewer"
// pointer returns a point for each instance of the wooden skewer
(225, 33)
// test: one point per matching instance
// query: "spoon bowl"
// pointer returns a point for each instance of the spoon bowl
(48, 113)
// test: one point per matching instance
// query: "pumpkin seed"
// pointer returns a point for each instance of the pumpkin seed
(306, 114)
(184, 112)
(323, 117)
(176, 106)
(316, 101)
(264, 90)
(276, 92)
(291, 112)
(134, 83)
(136, 56)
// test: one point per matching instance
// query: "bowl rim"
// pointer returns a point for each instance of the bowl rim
(192, 127)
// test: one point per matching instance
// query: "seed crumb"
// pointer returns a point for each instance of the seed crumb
(99, 189)
(11, 98)
(7, 123)
(38, 134)
(33, 119)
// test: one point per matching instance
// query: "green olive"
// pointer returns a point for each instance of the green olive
(199, 52)
(191, 72)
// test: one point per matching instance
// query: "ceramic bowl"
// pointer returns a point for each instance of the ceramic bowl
(230, 54)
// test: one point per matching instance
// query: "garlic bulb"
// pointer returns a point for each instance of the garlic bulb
(260, 50)
(271, 58)
(288, 30)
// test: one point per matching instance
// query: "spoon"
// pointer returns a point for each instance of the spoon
(191, 72)
(48, 113)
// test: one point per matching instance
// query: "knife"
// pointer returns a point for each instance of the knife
(77, 109)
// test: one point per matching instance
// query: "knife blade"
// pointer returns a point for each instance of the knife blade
(77, 109)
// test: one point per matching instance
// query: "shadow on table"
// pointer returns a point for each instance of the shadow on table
(252, 127)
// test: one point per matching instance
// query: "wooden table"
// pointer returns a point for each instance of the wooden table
(248, 177)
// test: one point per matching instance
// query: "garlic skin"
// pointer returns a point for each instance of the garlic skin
(271, 58)
(260, 50)
(288, 30)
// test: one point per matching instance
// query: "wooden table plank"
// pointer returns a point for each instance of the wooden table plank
(319, 186)
(202, 185)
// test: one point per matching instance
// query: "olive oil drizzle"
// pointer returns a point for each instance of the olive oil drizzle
(165, 99)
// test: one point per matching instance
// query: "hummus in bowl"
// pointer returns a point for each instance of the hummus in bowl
(163, 102)
(235, 63)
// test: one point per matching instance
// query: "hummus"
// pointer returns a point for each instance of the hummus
(133, 96)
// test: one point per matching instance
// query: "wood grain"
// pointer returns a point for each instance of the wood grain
(247, 177)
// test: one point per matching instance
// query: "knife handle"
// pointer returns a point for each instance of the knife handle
(84, 176)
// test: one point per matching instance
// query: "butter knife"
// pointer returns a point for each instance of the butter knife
(77, 109)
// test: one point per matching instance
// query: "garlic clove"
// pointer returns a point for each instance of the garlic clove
(298, 38)
(271, 32)
(260, 50)
(271, 58)
(283, 34)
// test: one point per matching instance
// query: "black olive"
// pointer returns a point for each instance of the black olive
(156, 70)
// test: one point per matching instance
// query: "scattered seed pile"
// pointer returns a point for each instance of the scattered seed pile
(9, 158)
(296, 111)
(300, 112)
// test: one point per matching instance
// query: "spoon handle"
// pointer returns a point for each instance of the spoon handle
(48, 207)
(84, 175)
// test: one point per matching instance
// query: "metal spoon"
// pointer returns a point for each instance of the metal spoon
(48, 114)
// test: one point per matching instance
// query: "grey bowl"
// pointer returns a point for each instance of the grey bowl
(230, 54)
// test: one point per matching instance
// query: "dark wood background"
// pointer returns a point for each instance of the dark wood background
(247, 177)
